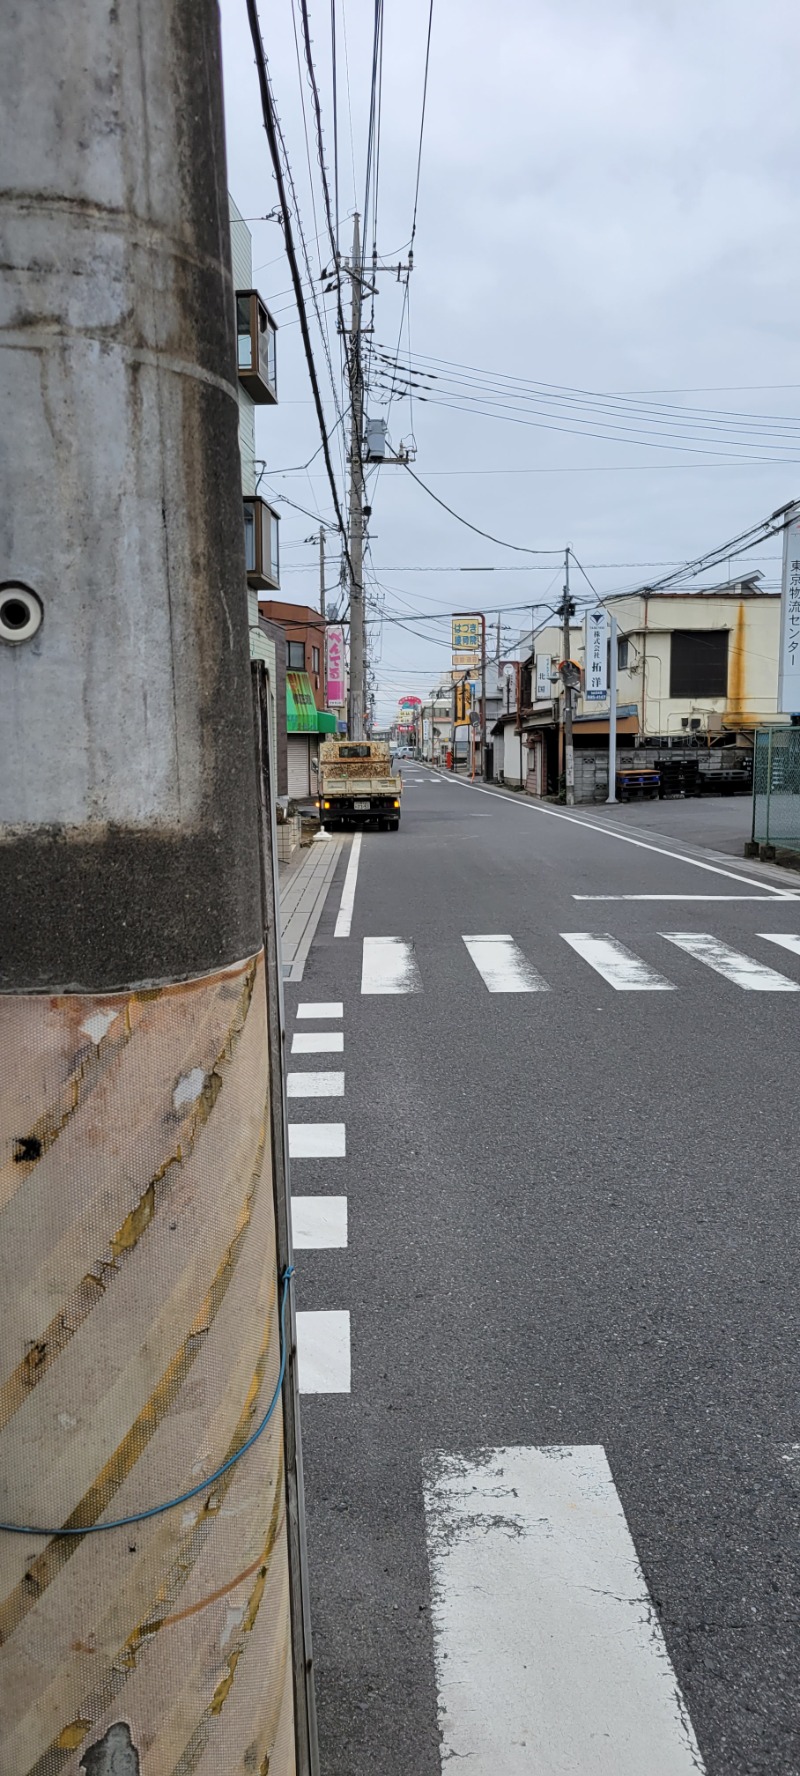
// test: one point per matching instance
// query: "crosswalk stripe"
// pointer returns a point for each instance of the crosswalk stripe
(549, 1655)
(329, 1008)
(389, 966)
(315, 1085)
(618, 965)
(787, 940)
(323, 1351)
(742, 971)
(317, 1042)
(502, 966)
(316, 1140)
(318, 1222)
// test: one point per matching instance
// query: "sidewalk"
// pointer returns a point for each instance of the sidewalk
(303, 889)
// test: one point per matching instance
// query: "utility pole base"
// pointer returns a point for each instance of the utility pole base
(141, 1349)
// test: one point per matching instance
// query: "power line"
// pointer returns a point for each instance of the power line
(508, 383)
(492, 407)
(335, 89)
(270, 126)
(520, 548)
(422, 125)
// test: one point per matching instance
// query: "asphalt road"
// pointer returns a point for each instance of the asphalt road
(571, 1223)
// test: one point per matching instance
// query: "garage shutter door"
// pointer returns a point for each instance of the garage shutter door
(298, 765)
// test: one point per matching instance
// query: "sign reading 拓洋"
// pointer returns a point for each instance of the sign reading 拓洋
(596, 678)
(544, 667)
(335, 685)
(789, 666)
(466, 637)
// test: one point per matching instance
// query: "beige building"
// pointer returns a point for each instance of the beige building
(695, 671)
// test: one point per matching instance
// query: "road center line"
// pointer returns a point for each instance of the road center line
(549, 1654)
(719, 897)
(344, 917)
(715, 869)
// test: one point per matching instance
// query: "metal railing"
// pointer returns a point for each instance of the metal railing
(776, 787)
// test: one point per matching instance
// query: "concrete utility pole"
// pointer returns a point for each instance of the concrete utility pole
(139, 1286)
(356, 515)
(566, 676)
(321, 571)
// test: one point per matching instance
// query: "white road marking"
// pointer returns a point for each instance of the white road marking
(763, 898)
(502, 966)
(344, 917)
(549, 1654)
(389, 966)
(316, 1140)
(607, 832)
(318, 1221)
(742, 971)
(331, 1008)
(317, 1042)
(786, 939)
(323, 1352)
(315, 1085)
(619, 966)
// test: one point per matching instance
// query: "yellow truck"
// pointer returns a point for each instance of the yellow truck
(357, 786)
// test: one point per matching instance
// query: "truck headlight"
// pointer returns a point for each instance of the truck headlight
(326, 804)
(397, 804)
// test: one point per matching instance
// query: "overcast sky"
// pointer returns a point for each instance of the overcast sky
(608, 204)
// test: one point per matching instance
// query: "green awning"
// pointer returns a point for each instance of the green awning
(302, 714)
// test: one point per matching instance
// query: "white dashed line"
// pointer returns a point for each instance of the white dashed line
(315, 1085)
(389, 966)
(786, 939)
(317, 1042)
(742, 971)
(319, 1222)
(330, 1008)
(502, 966)
(617, 965)
(316, 1140)
(323, 1352)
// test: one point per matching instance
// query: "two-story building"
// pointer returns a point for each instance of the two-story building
(307, 719)
(697, 671)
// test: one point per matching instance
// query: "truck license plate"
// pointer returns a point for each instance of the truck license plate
(360, 805)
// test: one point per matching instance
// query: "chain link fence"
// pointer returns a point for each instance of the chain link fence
(776, 787)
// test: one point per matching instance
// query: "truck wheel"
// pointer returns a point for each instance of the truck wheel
(393, 825)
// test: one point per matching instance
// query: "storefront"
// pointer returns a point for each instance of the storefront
(305, 725)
